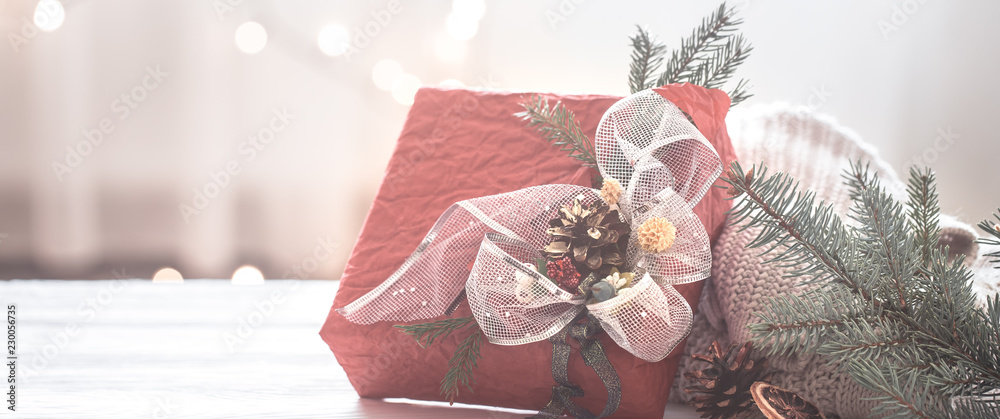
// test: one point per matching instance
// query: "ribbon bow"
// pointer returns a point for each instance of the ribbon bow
(485, 246)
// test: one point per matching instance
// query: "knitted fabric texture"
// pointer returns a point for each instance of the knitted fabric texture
(816, 151)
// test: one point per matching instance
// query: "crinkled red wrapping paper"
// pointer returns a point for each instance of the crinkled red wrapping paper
(461, 144)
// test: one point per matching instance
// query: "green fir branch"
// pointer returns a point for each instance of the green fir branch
(705, 39)
(886, 237)
(426, 333)
(792, 323)
(876, 338)
(647, 56)
(716, 68)
(558, 126)
(739, 93)
(947, 298)
(923, 212)
(806, 236)
(993, 229)
(882, 297)
(901, 395)
(463, 361)
(708, 57)
(964, 407)
(461, 365)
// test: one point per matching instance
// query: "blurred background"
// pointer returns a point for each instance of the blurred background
(204, 135)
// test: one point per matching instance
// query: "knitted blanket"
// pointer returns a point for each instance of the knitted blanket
(816, 151)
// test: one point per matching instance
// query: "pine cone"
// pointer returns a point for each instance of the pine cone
(592, 235)
(725, 384)
(778, 403)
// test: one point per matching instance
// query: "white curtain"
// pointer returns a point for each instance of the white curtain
(930, 75)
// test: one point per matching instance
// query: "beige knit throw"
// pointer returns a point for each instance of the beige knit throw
(816, 151)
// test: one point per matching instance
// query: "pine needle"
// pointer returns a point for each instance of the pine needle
(708, 57)
(647, 56)
(739, 93)
(923, 205)
(461, 365)
(463, 361)
(558, 126)
(716, 68)
(705, 39)
(426, 333)
(993, 229)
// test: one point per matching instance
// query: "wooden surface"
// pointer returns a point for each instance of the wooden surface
(200, 349)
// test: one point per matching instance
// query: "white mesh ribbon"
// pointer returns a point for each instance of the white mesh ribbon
(487, 245)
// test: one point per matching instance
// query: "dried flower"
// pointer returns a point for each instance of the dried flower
(777, 403)
(615, 279)
(522, 289)
(619, 280)
(563, 272)
(656, 235)
(611, 191)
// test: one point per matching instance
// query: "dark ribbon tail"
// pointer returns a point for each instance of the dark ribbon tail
(594, 356)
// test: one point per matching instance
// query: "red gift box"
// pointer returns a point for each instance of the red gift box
(461, 144)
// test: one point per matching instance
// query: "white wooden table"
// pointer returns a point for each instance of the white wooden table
(199, 349)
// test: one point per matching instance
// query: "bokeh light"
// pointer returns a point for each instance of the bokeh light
(334, 40)
(405, 88)
(472, 9)
(385, 72)
(449, 50)
(49, 15)
(451, 83)
(461, 27)
(167, 275)
(248, 275)
(251, 37)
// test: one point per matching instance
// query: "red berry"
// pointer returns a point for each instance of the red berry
(564, 273)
